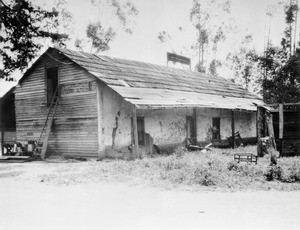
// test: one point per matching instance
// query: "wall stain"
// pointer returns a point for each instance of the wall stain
(114, 132)
(160, 123)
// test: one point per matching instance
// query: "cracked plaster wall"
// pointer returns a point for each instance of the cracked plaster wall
(169, 126)
(244, 122)
(117, 123)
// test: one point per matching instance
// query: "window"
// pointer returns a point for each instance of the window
(52, 82)
(216, 128)
(141, 130)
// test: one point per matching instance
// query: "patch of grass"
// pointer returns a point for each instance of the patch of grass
(217, 169)
(213, 170)
(291, 169)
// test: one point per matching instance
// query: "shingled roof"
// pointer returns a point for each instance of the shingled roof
(154, 86)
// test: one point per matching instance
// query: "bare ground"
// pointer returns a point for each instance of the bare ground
(66, 195)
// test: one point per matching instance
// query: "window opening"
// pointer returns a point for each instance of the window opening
(52, 82)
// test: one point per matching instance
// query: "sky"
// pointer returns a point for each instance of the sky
(158, 15)
(248, 16)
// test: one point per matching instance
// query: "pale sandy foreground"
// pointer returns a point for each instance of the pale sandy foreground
(27, 205)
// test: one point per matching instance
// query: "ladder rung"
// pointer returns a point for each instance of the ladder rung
(41, 150)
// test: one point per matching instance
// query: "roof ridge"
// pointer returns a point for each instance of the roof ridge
(137, 61)
(137, 70)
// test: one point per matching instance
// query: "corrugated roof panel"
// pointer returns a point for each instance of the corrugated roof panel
(168, 98)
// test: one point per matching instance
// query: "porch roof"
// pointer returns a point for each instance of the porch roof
(147, 98)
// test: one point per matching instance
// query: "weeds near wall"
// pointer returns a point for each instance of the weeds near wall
(213, 170)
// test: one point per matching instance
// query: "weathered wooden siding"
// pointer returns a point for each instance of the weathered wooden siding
(74, 131)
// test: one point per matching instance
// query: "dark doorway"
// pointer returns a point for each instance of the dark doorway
(52, 83)
(141, 130)
(216, 128)
(190, 130)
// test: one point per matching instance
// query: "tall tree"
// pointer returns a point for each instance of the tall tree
(24, 28)
(100, 34)
(211, 20)
(281, 66)
(211, 29)
(243, 63)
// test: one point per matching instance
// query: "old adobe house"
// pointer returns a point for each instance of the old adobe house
(108, 106)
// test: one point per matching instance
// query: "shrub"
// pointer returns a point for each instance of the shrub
(291, 172)
(203, 176)
(232, 165)
(273, 173)
(216, 169)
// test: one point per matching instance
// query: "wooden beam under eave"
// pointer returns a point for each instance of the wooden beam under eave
(100, 121)
(232, 129)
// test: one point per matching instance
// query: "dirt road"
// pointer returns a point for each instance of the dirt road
(25, 205)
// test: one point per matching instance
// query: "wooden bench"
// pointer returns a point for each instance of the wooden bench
(248, 157)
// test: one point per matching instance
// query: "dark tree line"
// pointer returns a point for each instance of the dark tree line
(21, 26)
(25, 28)
(280, 66)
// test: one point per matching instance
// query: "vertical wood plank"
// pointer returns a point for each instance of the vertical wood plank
(232, 129)
(100, 121)
(135, 134)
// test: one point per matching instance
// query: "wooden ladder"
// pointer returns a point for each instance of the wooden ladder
(41, 147)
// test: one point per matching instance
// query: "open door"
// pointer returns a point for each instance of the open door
(216, 129)
(190, 130)
(141, 130)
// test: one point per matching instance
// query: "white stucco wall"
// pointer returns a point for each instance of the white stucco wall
(244, 122)
(168, 126)
(117, 123)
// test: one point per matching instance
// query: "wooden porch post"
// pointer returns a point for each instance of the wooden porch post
(258, 123)
(1, 141)
(271, 130)
(136, 152)
(100, 121)
(232, 129)
(195, 124)
(281, 122)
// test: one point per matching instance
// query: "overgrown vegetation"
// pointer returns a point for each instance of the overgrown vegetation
(214, 170)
